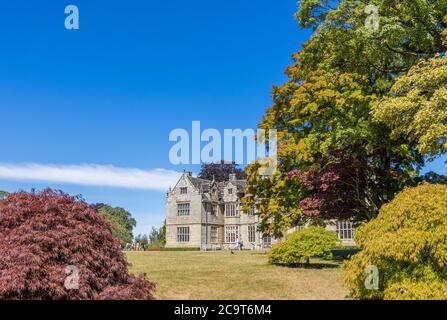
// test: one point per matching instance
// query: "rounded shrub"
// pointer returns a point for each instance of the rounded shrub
(407, 243)
(299, 247)
(54, 246)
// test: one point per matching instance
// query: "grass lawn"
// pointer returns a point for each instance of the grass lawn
(244, 275)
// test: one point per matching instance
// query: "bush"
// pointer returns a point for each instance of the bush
(302, 245)
(407, 242)
(44, 235)
(154, 247)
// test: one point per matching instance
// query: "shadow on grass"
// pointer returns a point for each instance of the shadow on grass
(333, 264)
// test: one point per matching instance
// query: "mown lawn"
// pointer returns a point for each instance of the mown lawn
(243, 275)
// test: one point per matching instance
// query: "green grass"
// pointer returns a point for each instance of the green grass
(240, 276)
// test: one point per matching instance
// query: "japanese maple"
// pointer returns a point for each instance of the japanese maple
(44, 233)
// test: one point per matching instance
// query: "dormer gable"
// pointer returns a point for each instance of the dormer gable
(230, 189)
(184, 185)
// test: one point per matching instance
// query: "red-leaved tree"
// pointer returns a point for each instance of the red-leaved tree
(54, 246)
(347, 188)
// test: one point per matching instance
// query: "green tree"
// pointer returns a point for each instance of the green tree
(334, 102)
(416, 107)
(319, 120)
(303, 245)
(344, 41)
(3, 194)
(163, 234)
(157, 237)
(154, 235)
(121, 222)
(434, 178)
(407, 243)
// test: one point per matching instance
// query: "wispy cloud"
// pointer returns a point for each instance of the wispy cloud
(91, 175)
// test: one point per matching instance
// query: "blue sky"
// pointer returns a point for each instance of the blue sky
(107, 96)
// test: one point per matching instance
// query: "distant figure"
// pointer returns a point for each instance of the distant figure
(240, 244)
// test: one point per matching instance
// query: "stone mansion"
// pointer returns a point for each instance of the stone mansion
(207, 215)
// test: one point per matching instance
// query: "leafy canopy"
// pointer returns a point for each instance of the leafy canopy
(326, 130)
(301, 246)
(407, 242)
(417, 106)
(339, 104)
(220, 172)
(121, 222)
(157, 237)
(343, 41)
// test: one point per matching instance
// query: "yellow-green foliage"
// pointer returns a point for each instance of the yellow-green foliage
(302, 245)
(417, 106)
(408, 244)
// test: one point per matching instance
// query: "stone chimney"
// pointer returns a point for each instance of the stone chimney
(232, 177)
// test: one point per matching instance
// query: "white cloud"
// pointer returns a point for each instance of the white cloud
(92, 175)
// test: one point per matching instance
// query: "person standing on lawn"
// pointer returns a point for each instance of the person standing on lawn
(240, 244)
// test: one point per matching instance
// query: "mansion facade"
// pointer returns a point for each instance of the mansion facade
(208, 215)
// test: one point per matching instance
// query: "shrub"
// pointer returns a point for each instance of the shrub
(180, 249)
(302, 245)
(41, 234)
(407, 242)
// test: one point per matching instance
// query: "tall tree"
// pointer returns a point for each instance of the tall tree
(221, 171)
(347, 39)
(154, 235)
(434, 178)
(325, 125)
(121, 222)
(158, 236)
(416, 107)
(324, 113)
(163, 234)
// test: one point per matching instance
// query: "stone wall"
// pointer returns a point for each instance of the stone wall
(193, 221)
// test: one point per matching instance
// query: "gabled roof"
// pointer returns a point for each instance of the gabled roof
(205, 185)
(200, 184)
(239, 184)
